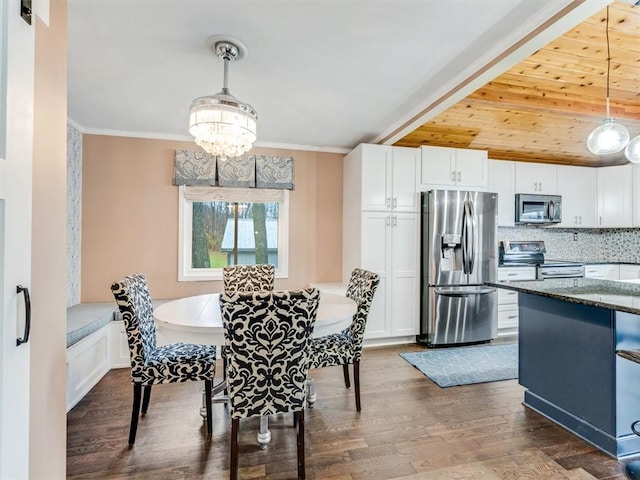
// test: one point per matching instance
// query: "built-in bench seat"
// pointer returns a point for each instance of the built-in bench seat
(85, 318)
(96, 343)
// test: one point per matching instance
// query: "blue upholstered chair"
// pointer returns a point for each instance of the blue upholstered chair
(267, 337)
(345, 348)
(248, 278)
(151, 364)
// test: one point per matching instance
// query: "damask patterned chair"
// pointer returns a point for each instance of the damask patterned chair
(345, 348)
(267, 336)
(151, 364)
(248, 278)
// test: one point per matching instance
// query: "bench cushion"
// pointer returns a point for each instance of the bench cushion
(85, 318)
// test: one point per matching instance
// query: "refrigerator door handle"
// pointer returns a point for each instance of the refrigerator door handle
(465, 254)
(468, 234)
(471, 248)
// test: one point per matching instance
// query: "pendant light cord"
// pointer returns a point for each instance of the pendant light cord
(608, 59)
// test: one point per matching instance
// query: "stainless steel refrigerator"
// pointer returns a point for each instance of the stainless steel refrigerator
(458, 254)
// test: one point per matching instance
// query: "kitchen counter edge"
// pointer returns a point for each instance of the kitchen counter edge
(612, 295)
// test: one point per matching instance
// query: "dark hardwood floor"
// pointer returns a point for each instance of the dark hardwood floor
(408, 429)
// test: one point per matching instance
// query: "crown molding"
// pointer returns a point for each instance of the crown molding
(189, 138)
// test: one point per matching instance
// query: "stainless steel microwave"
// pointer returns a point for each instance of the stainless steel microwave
(538, 209)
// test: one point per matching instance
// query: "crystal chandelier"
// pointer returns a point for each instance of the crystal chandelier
(221, 124)
(611, 137)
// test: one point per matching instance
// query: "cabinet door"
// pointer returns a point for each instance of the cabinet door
(502, 181)
(437, 166)
(629, 272)
(536, 178)
(605, 271)
(404, 193)
(578, 187)
(376, 177)
(376, 253)
(471, 168)
(615, 196)
(405, 265)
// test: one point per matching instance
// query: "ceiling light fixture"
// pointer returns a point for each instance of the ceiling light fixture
(221, 124)
(610, 137)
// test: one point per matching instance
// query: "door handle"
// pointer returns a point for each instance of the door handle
(27, 311)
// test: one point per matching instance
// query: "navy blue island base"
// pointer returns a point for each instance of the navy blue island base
(569, 332)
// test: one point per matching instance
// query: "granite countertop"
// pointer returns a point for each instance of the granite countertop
(584, 262)
(621, 296)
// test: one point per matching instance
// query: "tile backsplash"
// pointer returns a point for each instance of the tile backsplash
(592, 245)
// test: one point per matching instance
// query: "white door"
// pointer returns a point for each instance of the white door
(438, 165)
(577, 185)
(471, 169)
(615, 196)
(376, 177)
(405, 270)
(375, 246)
(535, 178)
(16, 160)
(404, 165)
(502, 176)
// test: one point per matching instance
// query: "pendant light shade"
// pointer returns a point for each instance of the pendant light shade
(221, 124)
(632, 152)
(610, 137)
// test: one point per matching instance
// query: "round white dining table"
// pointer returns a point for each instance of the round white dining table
(197, 319)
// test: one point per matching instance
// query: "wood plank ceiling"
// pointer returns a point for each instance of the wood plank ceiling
(543, 109)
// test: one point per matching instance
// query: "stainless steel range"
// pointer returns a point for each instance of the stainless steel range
(531, 253)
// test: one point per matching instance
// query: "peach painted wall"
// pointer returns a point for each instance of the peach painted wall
(130, 217)
(48, 420)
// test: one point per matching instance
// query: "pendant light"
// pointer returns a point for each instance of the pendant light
(632, 152)
(610, 137)
(221, 124)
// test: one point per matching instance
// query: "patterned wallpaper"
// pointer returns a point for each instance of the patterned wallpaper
(592, 245)
(74, 214)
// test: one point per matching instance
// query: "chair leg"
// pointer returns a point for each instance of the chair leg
(300, 440)
(208, 387)
(233, 464)
(146, 395)
(225, 392)
(135, 412)
(345, 370)
(356, 381)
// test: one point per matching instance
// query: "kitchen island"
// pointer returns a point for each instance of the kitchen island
(569, 332)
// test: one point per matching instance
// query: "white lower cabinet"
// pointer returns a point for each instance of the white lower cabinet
(604, 271)
(629, 272)
(508, 299)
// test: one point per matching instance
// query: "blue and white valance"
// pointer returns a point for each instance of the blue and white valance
(248, 171)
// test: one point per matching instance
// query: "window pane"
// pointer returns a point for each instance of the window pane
(214, 240)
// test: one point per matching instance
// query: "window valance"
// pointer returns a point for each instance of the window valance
(247, 171)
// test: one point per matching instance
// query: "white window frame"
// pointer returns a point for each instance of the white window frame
(186, 273)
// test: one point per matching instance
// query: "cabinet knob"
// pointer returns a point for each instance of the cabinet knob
(395, 202)
(459, 176)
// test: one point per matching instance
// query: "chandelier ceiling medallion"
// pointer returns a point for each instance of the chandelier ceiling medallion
(611, 137)
(221, 124)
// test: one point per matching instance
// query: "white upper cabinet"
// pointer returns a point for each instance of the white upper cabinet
(388, 176)
(540, 178)
(453, 168)
(578, 188)
(636, 194)
(615, 197)
(502, 180)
